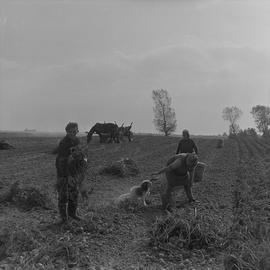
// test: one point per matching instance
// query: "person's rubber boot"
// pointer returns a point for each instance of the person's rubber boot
(168, 209)
(72, 211)
(193, 201)
(63, 213)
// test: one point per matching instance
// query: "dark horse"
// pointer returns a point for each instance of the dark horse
(107, 128)
(126, 131)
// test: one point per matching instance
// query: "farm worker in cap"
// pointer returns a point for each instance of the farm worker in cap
(177, 172)
(187, 145)
(67, 191)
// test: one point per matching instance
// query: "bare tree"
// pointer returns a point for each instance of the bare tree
(232, 114)
(261, 115)
(164, 114)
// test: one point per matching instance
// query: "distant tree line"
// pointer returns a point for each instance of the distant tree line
(260, 113)
(165, 119)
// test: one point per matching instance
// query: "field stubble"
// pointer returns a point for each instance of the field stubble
(118, 239)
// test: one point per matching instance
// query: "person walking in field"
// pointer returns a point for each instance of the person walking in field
(178, 173)
(66, 187)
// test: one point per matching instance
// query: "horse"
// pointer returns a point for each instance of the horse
(105, 128)
(126, 131)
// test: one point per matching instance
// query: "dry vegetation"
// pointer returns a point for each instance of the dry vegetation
(228, 229)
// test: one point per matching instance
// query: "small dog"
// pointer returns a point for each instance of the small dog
(136, 193)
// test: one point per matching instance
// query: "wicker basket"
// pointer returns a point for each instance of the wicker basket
(198, 172)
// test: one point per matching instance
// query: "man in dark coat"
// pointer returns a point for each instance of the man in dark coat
(66, 188)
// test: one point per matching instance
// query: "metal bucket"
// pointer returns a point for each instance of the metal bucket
(198, 172)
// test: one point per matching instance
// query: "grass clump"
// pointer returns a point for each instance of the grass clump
(121, 168)
(252, 246)
(192, 231)
(26, 198)
(22, 240)
(5, 146)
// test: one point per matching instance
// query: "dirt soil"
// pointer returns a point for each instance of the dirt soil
(235, 188)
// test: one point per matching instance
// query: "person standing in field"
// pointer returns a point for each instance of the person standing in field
(186, 145)
(67, 190)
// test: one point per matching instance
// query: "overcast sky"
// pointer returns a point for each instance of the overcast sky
(95, 61)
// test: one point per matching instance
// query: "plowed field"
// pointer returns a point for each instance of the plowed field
(235, 191)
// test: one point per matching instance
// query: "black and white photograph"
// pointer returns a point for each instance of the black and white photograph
(135, 134)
